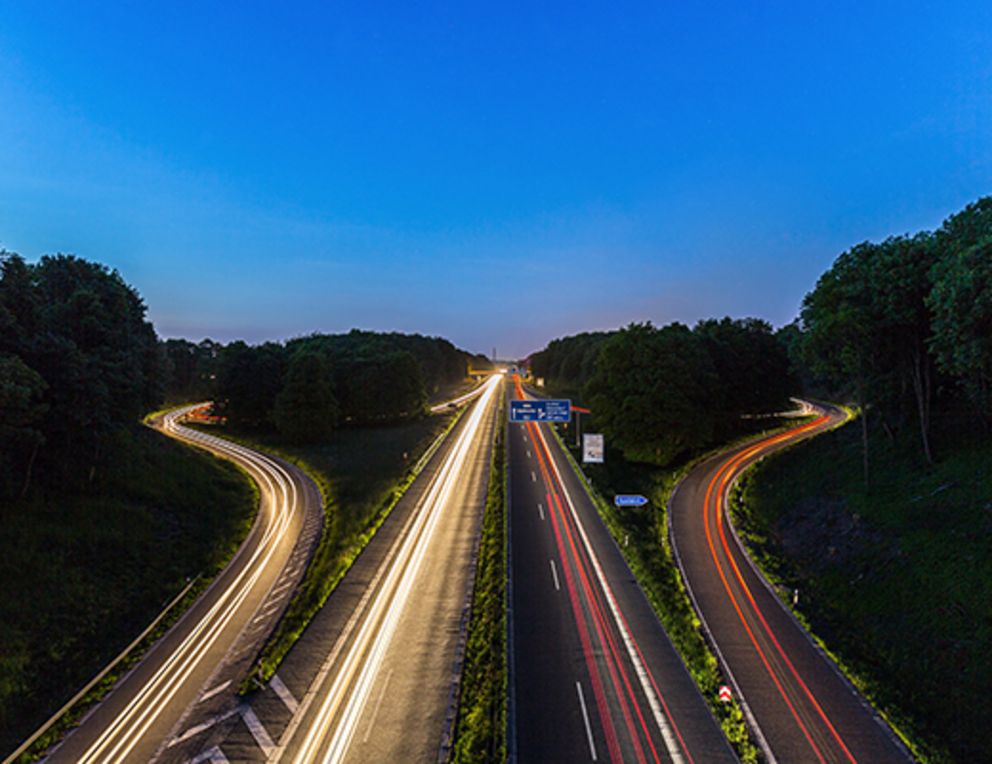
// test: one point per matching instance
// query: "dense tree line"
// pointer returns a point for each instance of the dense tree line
(309, 385)
(905, 325)
(78, 361)
(659, 393)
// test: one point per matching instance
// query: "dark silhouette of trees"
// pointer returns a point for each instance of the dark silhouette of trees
(306, 409)
(894, 323)
(78, 362)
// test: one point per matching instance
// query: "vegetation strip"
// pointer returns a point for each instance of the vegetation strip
(480, 728)
(85, 691)
(324, 570)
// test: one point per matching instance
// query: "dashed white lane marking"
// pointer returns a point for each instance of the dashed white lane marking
(281, 587)
(214, 691)
(375, 711)
(585, 718)
(211, 756)
(533, 477)
(201, 727)
(258, 732)
(280, 689)
(267, 610)
(554, 575)
(528, 453)
(540, 510)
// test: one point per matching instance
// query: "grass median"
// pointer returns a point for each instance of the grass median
(480, 729)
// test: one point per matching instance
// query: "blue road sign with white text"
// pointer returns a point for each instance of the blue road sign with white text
(548, 410)
(629, 500)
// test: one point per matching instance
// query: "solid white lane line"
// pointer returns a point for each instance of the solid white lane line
(280, 689)
(585, 718)
(193, 731)
(214, 691)
(554, 575)
(540, 510)
(375, 711)
(211, 756)
(258, 732)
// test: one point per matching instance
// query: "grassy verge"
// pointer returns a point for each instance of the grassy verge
(362, 473)
(87, 571)
(893, 578)
(480, 729)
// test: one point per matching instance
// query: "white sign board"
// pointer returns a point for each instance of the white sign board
(592, 448)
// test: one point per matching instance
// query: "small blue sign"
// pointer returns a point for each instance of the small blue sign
(629, 500)
(548, 410)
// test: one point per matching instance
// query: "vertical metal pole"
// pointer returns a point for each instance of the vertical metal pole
(578, 430)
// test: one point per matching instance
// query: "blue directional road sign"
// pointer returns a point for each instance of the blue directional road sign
(629, 500)
(548, 410)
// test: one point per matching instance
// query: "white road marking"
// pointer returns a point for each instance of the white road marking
(211, 756)
(375, 711)
(192, 731)
(554, 575)
(280, 689)
(540, 510)
(533, 477)
(528, 453)
(258, 732)
(281, 587)
(585, 718)
(214, 691)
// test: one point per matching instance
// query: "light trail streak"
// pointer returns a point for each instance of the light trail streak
(128, 728)
(329, 735)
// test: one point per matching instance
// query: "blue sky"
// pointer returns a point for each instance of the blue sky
(498, 175)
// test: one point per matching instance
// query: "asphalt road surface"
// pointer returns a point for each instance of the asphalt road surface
(594, 677)
(796, 699)
(217, 636)
(372, 677)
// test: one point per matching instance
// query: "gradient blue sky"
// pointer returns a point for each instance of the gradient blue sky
(498, 174)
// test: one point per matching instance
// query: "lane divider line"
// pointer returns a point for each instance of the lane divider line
(585, 718)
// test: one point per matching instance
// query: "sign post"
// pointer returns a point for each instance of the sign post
(592, 448)
(629, 500)
(545, 410)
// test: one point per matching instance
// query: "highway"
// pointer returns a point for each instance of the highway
(372, 677)
(795, 698)
(594, 677)
(211, 645)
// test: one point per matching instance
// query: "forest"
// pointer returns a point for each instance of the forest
(308, 386)
(662, 393)
(80, 364)
(901, 328)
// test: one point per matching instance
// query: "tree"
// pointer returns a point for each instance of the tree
(838, 325)
(306, 409)
(21, 413)
(650, 392)
(248, 381)
(961, 301)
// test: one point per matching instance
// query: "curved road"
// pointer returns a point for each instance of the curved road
(795, 698)
(218, 634)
